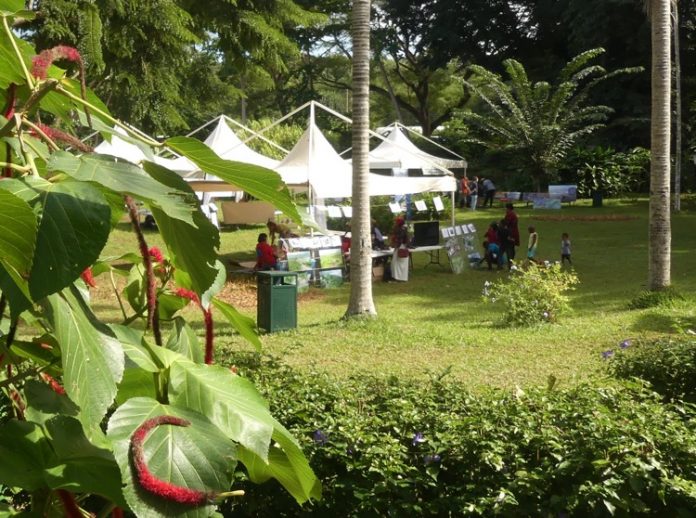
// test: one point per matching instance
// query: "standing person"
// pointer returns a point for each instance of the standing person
(565, 248)
(400, 257)
(464, 192)
(512, 223)
(507, 243)
(473, 192)
(265, 256)
(488, 192)
(532, 244)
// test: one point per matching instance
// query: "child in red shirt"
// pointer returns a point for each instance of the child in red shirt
(265, 257)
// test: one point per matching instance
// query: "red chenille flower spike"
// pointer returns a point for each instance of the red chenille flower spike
(154, 485)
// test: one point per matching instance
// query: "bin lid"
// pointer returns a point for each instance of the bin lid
(276, 273)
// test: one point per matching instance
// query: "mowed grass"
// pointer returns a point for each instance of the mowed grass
(438, 323)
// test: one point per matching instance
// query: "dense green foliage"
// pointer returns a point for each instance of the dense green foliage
(668, 364)
(606, 171)
(533, 294)
(89, 397)
(399, 448)
(536, 123)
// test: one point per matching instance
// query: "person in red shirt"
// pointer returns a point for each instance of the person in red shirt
(265, 257)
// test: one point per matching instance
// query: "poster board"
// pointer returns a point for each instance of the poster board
(459, 246)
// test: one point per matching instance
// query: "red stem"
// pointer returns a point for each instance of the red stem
(117, 512)
(151, 291)
(209, 336)
(8, 113)
(69, 505)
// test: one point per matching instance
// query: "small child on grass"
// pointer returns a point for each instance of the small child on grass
(565, 248)
(532, 244)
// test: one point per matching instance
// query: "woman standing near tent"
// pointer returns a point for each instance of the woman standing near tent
(400, 257)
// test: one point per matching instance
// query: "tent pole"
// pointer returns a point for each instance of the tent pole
(204, 125)
(284, 117)
(429, 140)
(452, 200)
(255, 134)
(375, 134)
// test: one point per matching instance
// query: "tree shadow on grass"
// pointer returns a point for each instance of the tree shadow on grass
(659, 322)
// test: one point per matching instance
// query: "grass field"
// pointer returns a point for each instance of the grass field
(437, 322)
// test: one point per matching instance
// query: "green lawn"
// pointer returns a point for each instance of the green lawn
(438, 321)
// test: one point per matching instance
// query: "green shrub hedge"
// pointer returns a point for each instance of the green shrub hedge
(385, 447)
(668, 364)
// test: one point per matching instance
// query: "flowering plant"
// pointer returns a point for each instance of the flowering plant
(87, 405)
(532, 295)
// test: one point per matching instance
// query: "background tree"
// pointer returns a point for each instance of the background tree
(537, 122)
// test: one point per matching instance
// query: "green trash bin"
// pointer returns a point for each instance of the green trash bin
(276, 307)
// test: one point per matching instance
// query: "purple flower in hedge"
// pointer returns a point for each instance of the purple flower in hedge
(625, 344)
(418, 438)
(607, 354)
(431, 459)
(320, 437)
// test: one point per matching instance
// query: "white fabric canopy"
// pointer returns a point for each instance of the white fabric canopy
(398, 152)
(120, 148)
(313, 160)
(229, 146)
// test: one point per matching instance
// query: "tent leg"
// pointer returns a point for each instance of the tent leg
(452, 198)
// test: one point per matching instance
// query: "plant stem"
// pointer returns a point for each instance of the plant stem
(20, 168)
(10, 35)
(118, 295)
(151, 289)
(42, 134)
(105, 115)
(44, 88)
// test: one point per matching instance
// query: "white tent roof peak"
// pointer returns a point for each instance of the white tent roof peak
(229, 146)
(313, 159)
(398, 152)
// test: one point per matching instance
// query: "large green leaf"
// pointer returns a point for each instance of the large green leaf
(235, 406)
(81, 467)
(92, 358)
(123, 177)
(244, 325)
(25, 452)
(183, 340)
(11, 69)
(192, 249)
(287, 464)
(8, 7)
(74, 227)
(260, 182)
(17, 241)
(43, 403)
(198, 456)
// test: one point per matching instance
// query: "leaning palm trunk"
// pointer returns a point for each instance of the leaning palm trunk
(677, 107)
(361, 303)
(660, 231)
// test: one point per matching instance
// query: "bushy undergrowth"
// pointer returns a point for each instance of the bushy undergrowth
(668, 364)
(650, 299)
(532, 295)
(395, 448)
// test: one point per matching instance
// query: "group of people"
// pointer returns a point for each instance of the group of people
(502, 238)
(469, 190)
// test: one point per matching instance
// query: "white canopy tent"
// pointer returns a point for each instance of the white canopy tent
(315, 162)
(121, 148)
(229, 146)
(398, 152)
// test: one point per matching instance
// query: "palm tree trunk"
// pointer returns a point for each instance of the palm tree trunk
(361, 303)
(678, 108)
(660, 232)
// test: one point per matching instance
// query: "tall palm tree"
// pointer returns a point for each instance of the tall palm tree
(361, 303)
(660, 231)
